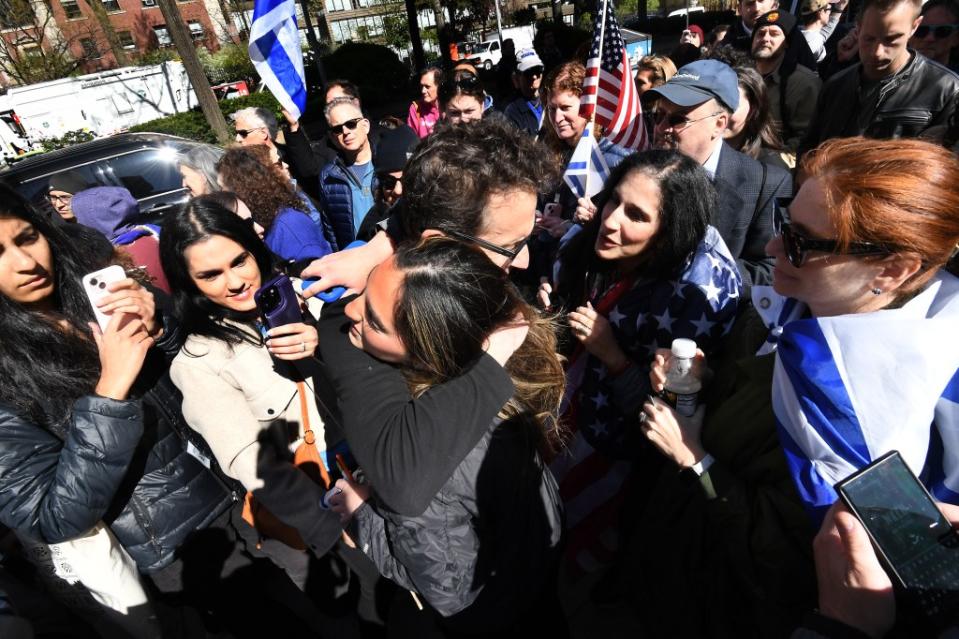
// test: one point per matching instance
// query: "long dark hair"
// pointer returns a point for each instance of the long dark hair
(45, 367)
(199, 219)
(451, 299)
(760, 131)
(687, 199)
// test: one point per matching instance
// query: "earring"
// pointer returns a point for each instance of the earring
(877, 291)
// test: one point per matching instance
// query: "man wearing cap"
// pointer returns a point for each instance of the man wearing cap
(792, 88)
(693, 34)
(691, 115)
(893, 92)
(526, 111)
(819, 19)
(392, 151)
(60, 191)
(740, 35)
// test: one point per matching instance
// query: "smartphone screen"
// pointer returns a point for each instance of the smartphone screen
(917, 542)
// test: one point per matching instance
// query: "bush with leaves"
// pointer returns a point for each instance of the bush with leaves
(375, 69)
(193, 125)
(67, 139)
(230, 64)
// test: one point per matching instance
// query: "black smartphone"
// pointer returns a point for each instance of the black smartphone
(915, 542)
(277, 302)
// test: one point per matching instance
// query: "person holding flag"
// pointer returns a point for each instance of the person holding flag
(850, 354)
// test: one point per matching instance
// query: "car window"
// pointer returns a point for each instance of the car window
(146, 173)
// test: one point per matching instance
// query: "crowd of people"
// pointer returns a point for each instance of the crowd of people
(487, 417)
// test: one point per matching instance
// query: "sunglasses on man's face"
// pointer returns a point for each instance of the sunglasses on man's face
(532, 73)
(939, 32)
(388, 182)
(796, 245)
(489, 246)
(349, 125)
(245, 132)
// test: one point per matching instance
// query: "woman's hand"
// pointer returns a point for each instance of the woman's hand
(127, 296)
(123, 346)
(542, 295)
(853, 587)
(554, 225)
(596, 335)
(677, 437)
(349, 268)
(506, 339)
(585, 210)
(292, 341)
(349, 499)
(657, 370)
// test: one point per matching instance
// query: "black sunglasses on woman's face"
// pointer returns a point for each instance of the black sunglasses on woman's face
(796, 245)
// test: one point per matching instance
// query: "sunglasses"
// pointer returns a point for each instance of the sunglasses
(467, 81)
(939, 32)
(387, 182)
(532, 73)
(245, 132)
(797, 245)
(349, 125)
(678, 122)
(489, 246)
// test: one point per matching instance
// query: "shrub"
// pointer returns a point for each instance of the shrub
(193, 124)
(375, 69)
(67, 139)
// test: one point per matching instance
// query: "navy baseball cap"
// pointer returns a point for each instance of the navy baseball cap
(700, 81)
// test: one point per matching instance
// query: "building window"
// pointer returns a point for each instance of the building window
(163, 36)
(90, 49)
(111, 5)
(126, 40)
(72, 9)
(196, 29)
(148, 3)
(338, 5)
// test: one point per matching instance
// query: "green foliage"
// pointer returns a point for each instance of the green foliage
(396, 31)
(67, 139)
(375, 69)
(158, 56)
(229, 64)
(193, 125)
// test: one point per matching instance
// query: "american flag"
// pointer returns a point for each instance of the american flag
(609, 90)
(594, 471)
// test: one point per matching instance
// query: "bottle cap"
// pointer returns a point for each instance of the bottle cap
(685, 348)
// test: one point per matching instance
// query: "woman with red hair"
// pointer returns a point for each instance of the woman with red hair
(851, 353)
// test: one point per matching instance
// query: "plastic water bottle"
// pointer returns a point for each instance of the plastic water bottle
(682, 387)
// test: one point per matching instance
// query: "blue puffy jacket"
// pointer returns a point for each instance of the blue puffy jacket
(337, 200)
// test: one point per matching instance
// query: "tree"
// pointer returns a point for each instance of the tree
(32, 49)
(396, 31)
(100, 12)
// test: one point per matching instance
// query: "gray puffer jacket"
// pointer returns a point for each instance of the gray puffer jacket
(486, 547)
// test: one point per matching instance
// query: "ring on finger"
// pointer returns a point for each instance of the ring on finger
(303, 344)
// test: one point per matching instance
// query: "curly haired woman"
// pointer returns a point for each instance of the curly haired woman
(290, 233)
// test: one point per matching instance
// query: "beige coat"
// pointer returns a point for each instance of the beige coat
(230, 395)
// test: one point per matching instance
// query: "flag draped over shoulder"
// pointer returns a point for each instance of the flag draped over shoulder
(276, 53)
(609, 91)
(587, 169)
(848, 389)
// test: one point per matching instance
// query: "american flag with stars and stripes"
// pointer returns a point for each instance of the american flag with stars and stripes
(608, 90)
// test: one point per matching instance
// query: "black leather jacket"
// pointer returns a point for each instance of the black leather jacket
(916, 102)
(123, 462)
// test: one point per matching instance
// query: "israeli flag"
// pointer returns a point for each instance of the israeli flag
(850, 388)
(587, 169)
(276, 53)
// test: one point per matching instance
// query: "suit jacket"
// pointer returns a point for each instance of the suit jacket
(744, 216)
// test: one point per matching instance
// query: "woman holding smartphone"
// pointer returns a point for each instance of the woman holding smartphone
(851, 353)
(89, 420)
(246, 385)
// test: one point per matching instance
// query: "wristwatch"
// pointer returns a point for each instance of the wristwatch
(702, 465)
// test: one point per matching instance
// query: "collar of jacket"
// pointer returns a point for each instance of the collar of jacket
(886, 85)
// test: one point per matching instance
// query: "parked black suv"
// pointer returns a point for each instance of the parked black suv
(143, 163)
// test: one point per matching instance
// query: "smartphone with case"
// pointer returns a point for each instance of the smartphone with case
(916, 543)
(95, 285)
(277, 302)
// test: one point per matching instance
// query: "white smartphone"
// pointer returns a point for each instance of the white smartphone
(95, 285)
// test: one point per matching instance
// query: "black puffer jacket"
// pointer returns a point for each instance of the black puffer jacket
(120, 461)
(916, 102)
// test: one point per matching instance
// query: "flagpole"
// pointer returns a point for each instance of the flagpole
(592, 116)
